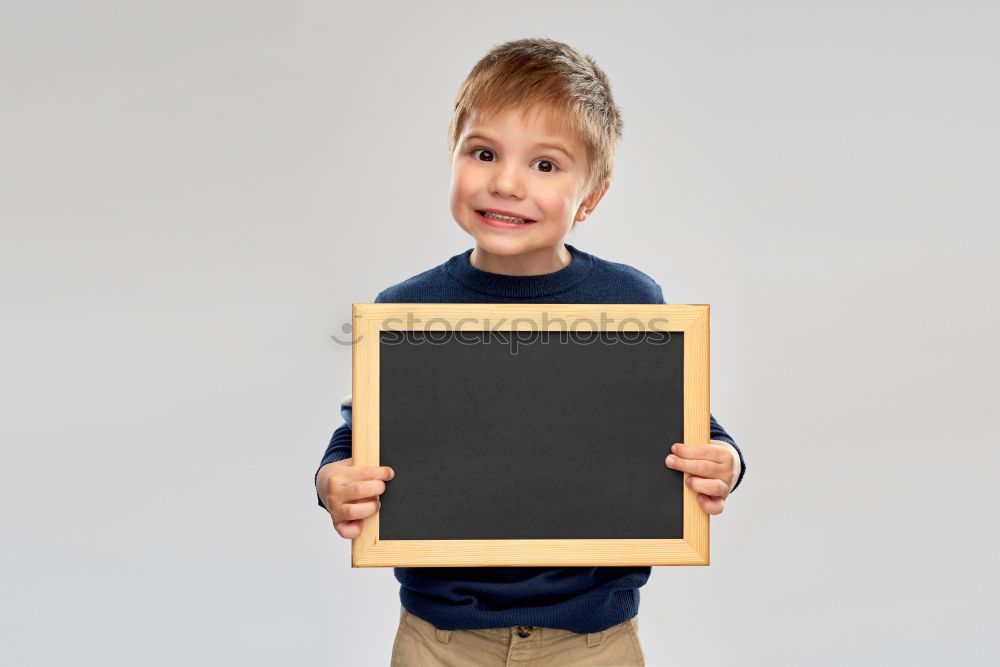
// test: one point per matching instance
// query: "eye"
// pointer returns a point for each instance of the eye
(487, 150)
(552, 166)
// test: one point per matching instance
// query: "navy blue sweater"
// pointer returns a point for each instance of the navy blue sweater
(580, 599)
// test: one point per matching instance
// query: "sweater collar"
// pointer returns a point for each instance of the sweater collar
(498, 284)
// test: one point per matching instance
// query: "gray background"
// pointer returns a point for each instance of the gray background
(192, 195)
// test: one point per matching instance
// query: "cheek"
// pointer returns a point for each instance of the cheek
(556, 203)
(461, 196)
(462, 185)
(454, 192)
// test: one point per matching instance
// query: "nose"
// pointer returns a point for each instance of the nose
(507, 182)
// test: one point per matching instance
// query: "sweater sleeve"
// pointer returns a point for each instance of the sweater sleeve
(340, 446)
(716, 432)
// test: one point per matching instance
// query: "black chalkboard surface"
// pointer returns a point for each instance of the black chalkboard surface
(530, 443)
(561, 436)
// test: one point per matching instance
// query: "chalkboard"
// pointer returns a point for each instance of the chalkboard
(539, 441)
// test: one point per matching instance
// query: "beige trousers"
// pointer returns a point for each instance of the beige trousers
(420, 644)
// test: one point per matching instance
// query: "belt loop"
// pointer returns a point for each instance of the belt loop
(443, 636)
(595, 639)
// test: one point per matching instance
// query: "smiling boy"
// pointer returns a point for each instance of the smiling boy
(531, 148)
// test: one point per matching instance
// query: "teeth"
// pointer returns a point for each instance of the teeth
(505, 218)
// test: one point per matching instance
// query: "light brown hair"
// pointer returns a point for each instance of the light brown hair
(541, 74)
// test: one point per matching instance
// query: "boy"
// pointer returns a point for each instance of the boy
(531, 147)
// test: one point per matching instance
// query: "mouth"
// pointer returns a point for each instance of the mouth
(503, 222)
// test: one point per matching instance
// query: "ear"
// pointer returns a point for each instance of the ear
(588, 205)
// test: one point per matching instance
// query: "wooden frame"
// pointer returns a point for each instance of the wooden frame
(367, 550)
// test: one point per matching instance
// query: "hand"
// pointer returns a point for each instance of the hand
(710, 471)
(351, 493)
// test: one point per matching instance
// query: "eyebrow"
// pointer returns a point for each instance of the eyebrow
(542, 144)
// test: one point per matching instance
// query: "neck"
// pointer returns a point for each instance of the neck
(534, 263)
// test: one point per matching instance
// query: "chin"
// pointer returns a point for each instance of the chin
(500, 246)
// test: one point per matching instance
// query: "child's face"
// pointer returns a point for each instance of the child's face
(502, 165)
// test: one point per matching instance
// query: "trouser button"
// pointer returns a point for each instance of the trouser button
(525, 630)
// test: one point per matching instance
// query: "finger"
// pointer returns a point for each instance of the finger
(716, 488)
(356, 473)
(355, 491)
(378, 503)
(341, 494)
(711, 505)
(348, 529)
(357, 510)
(699, 467)
(717, 453)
